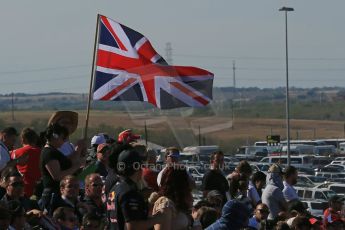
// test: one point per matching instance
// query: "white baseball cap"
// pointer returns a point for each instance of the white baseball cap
(98, 139)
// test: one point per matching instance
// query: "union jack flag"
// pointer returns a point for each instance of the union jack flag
(129, 69)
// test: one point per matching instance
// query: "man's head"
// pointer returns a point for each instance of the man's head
(215, 199)
(244, 169)
(217, 160)
(172, 155)
(336, 203)
(291, 175)
(69, 187)
(9, 137)
(259, 180)
(93, 185)
(129, 164)
(66, 217)
(29, 137)
(91, 221)
(301, 223)
(103, 152)
(14, 184)
(261, 212)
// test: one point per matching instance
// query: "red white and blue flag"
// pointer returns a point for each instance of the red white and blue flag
(129, 69)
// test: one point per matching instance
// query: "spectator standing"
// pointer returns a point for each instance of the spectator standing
(102, 163)
(93, 194)
(214, 178)
(172, 155)
(96, 140)
(273, 195)
(290, 179)
(256, 184)
(333, 213)
(69, 120)
(30, 169)
(243, 171)
(53, 164)
(129, 210)
(8, 137)
(175, 200)
(150, 173)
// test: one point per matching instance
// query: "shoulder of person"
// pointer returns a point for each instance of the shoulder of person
(162, 203)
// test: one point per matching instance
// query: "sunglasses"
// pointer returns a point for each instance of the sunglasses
(17, 184)
(263, 211)
(97, 185)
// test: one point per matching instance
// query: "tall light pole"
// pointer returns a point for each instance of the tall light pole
(287, 9)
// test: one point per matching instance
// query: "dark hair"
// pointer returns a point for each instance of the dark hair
(289, 171)
(11, 131)
(29, 136)
(258, 176)
(65, 179)
(60, 213)
(172, 149)
(281, 225)
(9, 172)
(244, 168)
(175, 185)
(300, 221)
(201, 203)
(115, 151)
(54, 131)
(214, 154)
(91, 216)
(207, 216)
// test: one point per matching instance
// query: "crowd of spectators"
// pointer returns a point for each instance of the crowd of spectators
(50, 183)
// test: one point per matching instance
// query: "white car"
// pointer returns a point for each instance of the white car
(336, 187)
(315, 207)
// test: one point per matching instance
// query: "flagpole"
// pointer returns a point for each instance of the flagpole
(145, 134)
(91, 80)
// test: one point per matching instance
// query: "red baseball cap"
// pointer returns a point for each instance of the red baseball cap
(127, 136)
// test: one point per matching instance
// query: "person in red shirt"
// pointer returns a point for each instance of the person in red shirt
(30, 169)
(333, 213)
(149, 172)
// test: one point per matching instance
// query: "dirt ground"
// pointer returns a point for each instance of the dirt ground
(217, 127)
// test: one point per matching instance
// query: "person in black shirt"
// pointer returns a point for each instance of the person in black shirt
(128, 208)
(53, 164)
(102, 166)
(214, 178)
(93, 194)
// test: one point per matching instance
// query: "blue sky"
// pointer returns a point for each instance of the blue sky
(48, 45)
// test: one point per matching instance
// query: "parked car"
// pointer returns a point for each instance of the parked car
(315, 193)
(319, 162)
(336, 187)
(317, 179)
(297, 161)
(304, 181)
(330, 175)
(315, 207)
